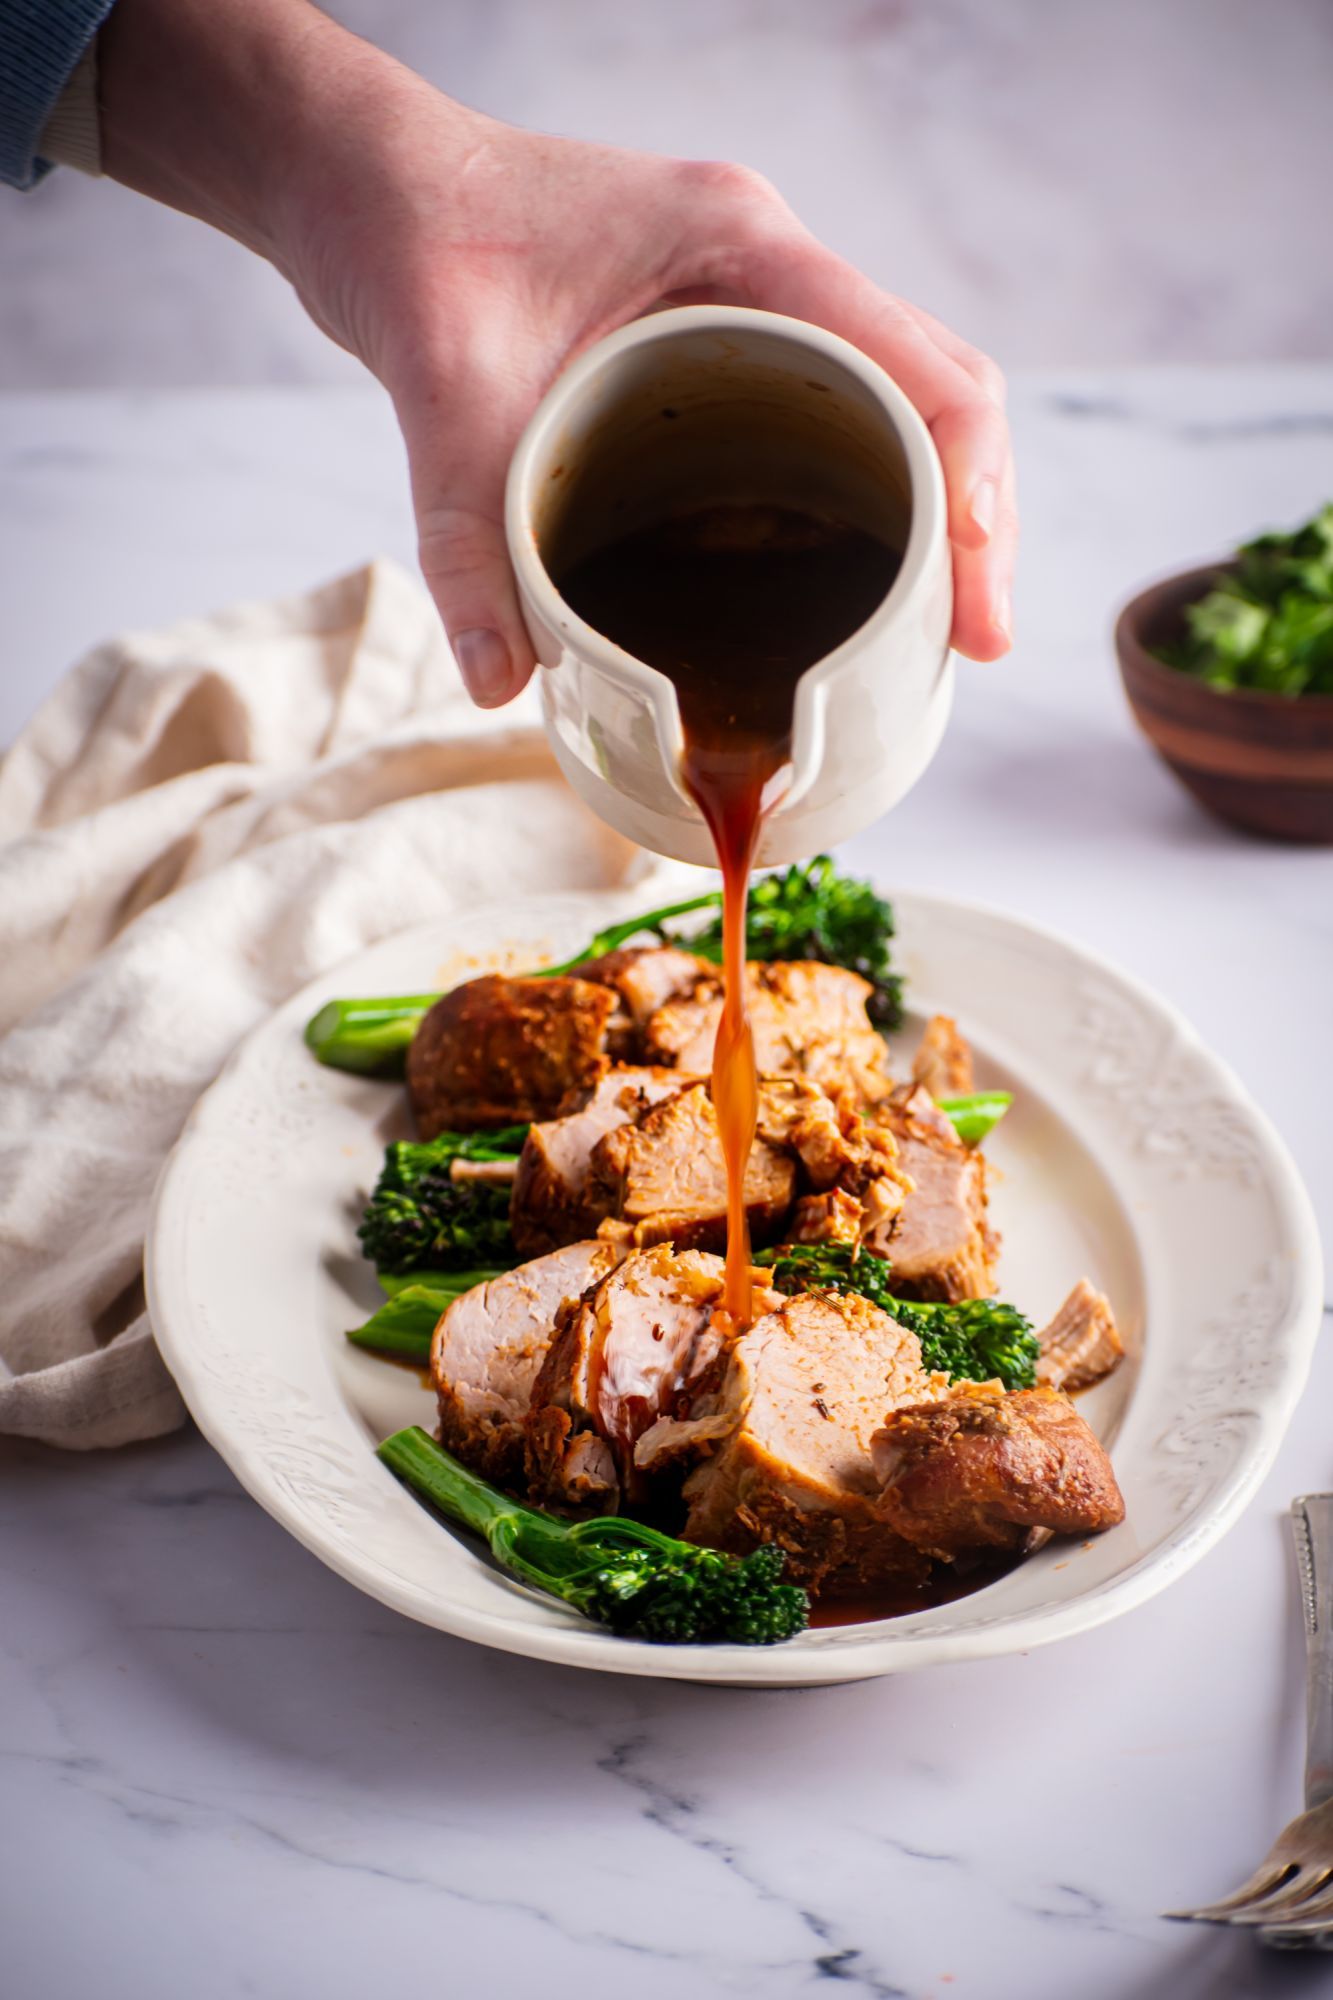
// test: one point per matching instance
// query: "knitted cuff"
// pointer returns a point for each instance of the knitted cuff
(72, 135)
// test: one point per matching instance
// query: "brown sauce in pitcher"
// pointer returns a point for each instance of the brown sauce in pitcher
(733, 603)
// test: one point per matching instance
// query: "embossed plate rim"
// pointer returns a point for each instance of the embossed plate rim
(1144, 1086)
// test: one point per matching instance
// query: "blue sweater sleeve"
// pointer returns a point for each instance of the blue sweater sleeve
(41, 42)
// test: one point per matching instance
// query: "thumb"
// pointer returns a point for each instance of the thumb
(458, 494)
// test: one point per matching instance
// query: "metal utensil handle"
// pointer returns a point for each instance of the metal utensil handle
(1312, 1529)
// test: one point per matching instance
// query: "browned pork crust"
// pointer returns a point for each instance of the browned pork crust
(499, 1051)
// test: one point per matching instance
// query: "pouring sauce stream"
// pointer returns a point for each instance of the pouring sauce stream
(733, 603)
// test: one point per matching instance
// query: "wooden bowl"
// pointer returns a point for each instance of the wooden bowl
(1261, 761)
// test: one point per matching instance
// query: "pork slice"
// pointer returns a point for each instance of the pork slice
(489, 1347)
(938, 1239)
(638, 1345)
(1082, 1343)
(835, 1217)
(828, 1139)
(646, 977)
(943, 1061)
(552, 1201)
(787, 1435)
(664, 1178)
(499, 1051)
(809, 1020)
(983, 1469)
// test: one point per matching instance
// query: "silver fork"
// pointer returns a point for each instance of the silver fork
(1289, 1898)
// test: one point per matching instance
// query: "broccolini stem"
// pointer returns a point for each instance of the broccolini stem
(541, 1550)
(618, 1572)
(417, 1459)
(367, 1037)
(973, 1117)
(615, 935)
(444, 1285)
(405, 1324)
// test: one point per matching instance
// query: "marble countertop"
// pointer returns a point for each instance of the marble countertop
(225, 1773)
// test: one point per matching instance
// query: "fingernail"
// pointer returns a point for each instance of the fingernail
(483, 661)
(981, 508)
(1003, 621)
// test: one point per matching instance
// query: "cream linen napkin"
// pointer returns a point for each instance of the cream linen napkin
(197, 822)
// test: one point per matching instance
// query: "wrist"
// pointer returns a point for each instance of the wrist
(367, 219)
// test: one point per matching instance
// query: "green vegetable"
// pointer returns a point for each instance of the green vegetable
(419, 1216)
(812, 911)
(1268, 623)
(368, 1037)
(654, 925)
(973, 1117)
(973, 1341)
(806, 911)
(448, 1283)
(809, 911)
(406, 1322)
(642, 1584)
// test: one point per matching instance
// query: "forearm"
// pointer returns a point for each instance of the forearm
(465, 262)
(224, 111)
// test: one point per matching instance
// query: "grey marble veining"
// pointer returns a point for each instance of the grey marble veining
(224, 1773)
(1062, 183)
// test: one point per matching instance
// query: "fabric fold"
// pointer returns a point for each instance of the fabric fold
(198, 822)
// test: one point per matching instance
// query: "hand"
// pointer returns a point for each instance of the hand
(466, 262)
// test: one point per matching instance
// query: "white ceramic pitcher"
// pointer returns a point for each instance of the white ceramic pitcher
(794, 416)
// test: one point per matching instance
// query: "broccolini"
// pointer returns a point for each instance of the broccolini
(975, 1340)
(420, 1216)
(643, 1584)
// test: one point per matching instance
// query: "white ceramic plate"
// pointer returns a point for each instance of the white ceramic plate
(1131, 1154)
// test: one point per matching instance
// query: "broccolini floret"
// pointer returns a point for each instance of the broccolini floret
(420, 1216)
(617, 1571)
(975, 1340)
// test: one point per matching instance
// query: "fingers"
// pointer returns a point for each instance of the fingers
(965, 417)
(458, 475)
(466, 566)
(972, 439)
(984, 564)
(759, 251)
(983, 584)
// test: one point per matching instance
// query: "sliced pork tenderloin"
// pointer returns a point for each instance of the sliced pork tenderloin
(642, 1157)
(835, 1217)
(664, 1178)
(982, 1469)
(646, 977)
(786, 1441)
(488, 1350)
(499, 1051)
(640, 1344)
(851, 1167)
(552, 1201)
(808, 1019)
(943, 1061)
(1082, 1343)
(938, 1240)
